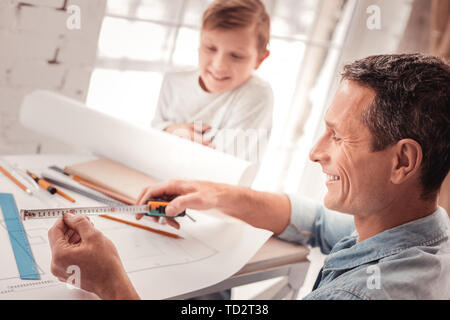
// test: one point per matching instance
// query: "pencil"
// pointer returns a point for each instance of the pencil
(62, 194)
(17, 182)
(137, 225)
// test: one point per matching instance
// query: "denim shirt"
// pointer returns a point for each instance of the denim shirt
(410, 261)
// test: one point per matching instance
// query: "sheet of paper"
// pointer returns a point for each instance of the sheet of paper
(153, 152)
(159, 267)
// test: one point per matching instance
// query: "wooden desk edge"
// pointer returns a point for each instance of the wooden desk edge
(271, 256)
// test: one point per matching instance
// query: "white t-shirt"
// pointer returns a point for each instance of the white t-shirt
(241, 119)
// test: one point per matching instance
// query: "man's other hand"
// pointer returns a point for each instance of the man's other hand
(75, 242)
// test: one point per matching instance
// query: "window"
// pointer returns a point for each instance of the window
(141, 39)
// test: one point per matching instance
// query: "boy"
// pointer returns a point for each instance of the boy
(222, 99)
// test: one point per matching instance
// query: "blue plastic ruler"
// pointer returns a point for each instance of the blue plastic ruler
(26, 264)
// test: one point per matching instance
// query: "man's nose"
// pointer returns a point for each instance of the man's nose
(318, 151)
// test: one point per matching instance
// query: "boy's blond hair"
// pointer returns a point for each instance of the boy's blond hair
(235, 14)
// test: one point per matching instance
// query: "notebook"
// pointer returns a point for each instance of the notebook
(112, 178)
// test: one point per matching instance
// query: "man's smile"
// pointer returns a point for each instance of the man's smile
(331, 178)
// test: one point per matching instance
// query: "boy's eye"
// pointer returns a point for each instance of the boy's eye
(211, 48)
(235, 56)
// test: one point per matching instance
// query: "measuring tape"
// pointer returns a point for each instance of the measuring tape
(152, 208)
(26, 264)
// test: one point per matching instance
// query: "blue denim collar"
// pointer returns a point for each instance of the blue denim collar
(348, 253)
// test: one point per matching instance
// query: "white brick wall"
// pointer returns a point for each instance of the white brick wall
(38, 51)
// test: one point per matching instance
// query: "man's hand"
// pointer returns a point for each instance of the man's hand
(261, 209)
(75, 241)
(191, 131)
(199, 195)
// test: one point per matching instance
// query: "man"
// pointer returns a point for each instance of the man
(385, 153)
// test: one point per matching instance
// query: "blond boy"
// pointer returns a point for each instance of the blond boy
(222, 99)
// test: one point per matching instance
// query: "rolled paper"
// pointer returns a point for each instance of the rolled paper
(156, 153)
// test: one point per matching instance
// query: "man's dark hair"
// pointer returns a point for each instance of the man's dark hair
(412, 101)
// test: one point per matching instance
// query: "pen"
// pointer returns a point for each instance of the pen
(49, 187)
(43, 183)
(17, 182)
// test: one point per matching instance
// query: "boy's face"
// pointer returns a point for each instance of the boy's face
(227, 58)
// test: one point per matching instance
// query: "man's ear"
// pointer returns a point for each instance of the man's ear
(407, 161)
(262, 58)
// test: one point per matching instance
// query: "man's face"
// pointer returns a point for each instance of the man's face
(358, 180)
(227, 58)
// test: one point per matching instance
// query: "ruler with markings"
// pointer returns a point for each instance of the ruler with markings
(26, 264)
(152, 208)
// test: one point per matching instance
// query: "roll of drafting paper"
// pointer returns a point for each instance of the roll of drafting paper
(153, 152)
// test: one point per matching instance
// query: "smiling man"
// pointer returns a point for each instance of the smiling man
(385, 153)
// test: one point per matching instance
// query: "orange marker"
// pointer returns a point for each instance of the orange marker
(43, 183)
(48, 186)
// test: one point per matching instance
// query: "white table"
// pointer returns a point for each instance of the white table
(275, 258)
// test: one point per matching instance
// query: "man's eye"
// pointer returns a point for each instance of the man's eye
(335, 138)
